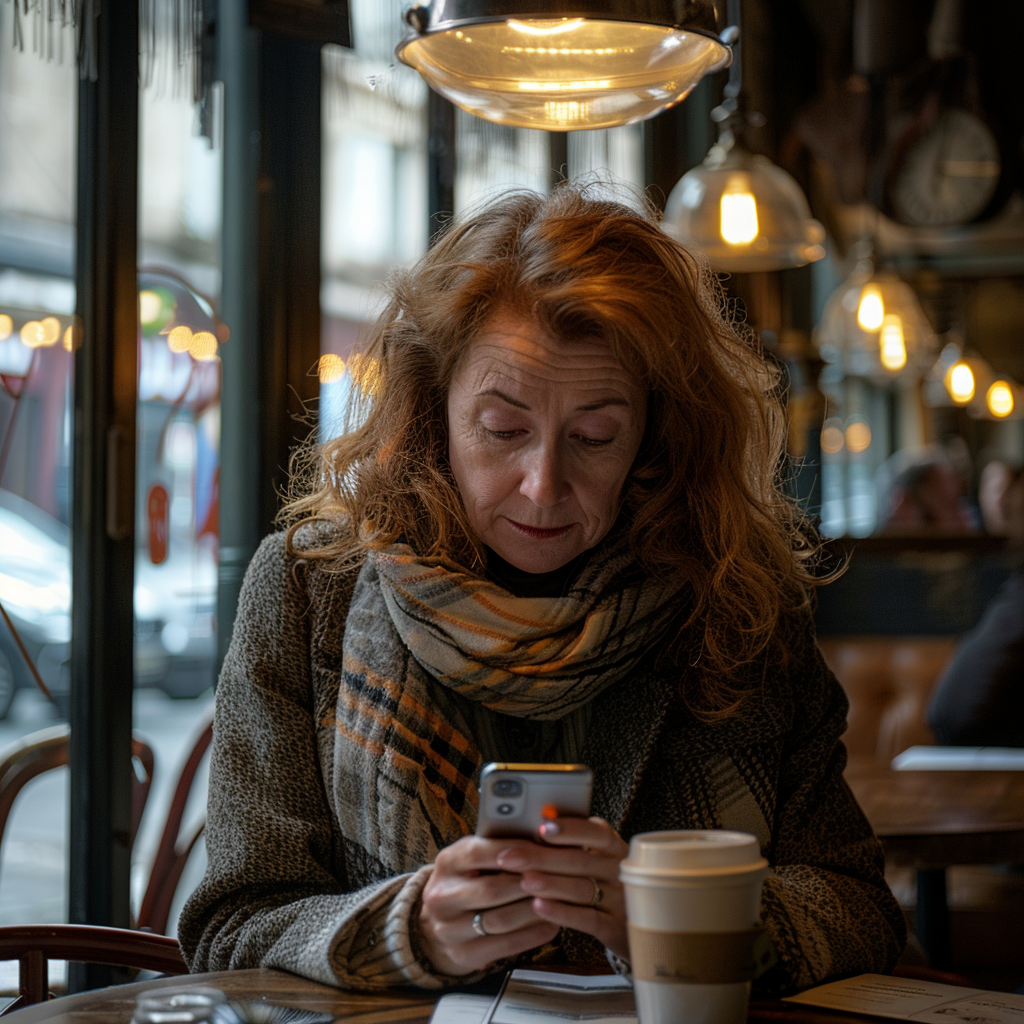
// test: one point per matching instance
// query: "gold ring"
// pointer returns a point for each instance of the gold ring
(598, 894)
(478, 926)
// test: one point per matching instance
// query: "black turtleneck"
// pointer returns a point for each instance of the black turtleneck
(533, 584)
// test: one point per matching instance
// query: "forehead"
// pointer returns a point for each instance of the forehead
(522, 351)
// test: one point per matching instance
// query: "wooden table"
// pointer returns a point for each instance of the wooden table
(115, 1005)
(932, 820)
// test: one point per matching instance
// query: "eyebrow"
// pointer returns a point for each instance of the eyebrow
(601, 403)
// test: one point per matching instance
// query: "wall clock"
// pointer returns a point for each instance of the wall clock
(944, 172)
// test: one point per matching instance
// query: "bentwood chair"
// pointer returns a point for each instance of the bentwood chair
(40, 751)
(34, 945)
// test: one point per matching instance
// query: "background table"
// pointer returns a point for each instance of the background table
(115, 1005)
(932, 820)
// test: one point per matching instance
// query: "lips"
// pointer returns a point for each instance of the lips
(537, 533)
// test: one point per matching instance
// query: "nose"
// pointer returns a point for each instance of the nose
(545, 481)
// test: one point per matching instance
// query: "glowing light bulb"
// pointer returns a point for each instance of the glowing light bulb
(545, 27)
(330, 368)
(738, 213)
(892, 349)
(32, 334)
(6, 326)
(202, 347)
(870, 309)
(960, 383)
(1000, 399)
(832, 438)
(858, 436)
(150, 306)
(180, 339)
(51, 330)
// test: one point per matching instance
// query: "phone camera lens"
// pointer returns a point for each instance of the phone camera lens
(507, 787)
(505, 808)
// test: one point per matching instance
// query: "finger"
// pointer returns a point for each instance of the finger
(511, 917)
(566, 860)
(473, 853)
(609, 930)
(477, 953)
(448, 897)
(593, 834)
(585, 892)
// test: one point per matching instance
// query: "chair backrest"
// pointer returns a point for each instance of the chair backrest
(34, 945)
(173, 850)
(40, 751)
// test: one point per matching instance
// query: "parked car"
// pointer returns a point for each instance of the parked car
(175, 640)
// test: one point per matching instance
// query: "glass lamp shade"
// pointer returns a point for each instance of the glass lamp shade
(743, 212)
(874, 327)
(563, 66)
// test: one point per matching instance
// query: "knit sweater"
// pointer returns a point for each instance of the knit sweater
(285, 888)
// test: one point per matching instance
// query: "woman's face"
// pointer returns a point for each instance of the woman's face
(542, 437)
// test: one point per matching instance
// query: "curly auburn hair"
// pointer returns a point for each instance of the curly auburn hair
(704, 497)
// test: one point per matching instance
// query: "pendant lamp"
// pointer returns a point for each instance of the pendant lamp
(742, 211)
(563, 64)
(874, 327)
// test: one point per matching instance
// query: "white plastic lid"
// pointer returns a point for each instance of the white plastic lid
(694, 851)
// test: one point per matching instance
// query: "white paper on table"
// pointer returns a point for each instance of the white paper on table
(533, 997)
(924, 759)
(460, 1008)
(906, 999)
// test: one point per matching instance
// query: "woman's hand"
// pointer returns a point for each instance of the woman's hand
(459, 889)
(524, 892)
(573, 877)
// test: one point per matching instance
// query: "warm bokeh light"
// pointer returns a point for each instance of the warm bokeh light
(202, 347)
(51, 330)
(870, 309)
(69, 339)
(150, 306)
(892, 349)
(1000, 399)
(6, 326)
(33, 334)
(738, 213)
(858, 436)
(960, 383)
(330, 368)
(832, 439)
(180, 339)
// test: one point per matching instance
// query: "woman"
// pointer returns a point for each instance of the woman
(553, 533)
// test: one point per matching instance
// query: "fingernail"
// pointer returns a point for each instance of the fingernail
(550, 828)
(510, 859)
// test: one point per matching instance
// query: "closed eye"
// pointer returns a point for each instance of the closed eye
(504, 435)
(593, 442)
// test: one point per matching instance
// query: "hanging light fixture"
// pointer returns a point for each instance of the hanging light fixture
(742, 211)
(961, 378)
(564, 64)
(874, 327)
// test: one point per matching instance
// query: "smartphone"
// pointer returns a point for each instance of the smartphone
(516, 799)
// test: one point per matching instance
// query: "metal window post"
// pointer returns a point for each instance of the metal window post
(103, 501)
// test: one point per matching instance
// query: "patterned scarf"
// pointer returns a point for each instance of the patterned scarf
(417, 627)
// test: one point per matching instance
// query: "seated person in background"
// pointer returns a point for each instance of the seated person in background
(979, 701)
(555, 532)
(925, 495)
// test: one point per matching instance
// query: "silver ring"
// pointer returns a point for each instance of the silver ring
(478, 925)
(598, 894)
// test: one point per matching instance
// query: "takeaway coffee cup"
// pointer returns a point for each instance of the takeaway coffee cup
(692, 903)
